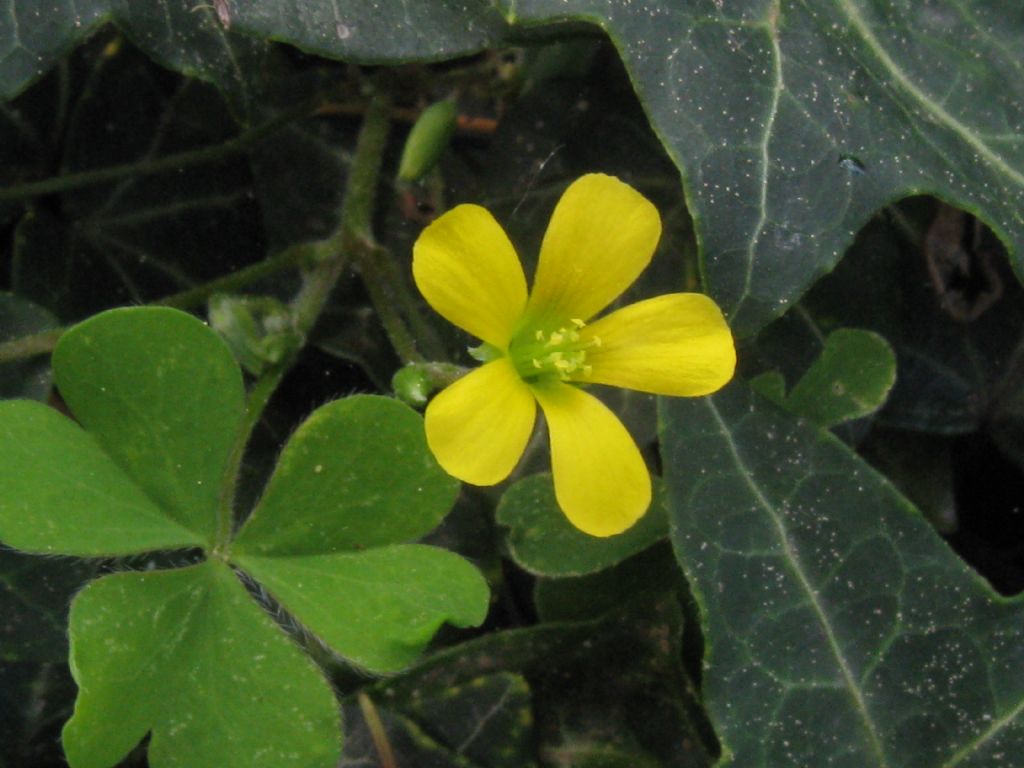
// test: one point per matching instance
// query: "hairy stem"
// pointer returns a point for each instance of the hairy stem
(355, 228)
(319, 280)
(383, 290)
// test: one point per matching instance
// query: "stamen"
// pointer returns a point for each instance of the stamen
(559, 352)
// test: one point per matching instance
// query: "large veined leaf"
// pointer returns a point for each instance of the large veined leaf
(486, 722)
(792, 122)
(142, 236)
(840, 629)
(200, 38)
(33, 37)
(630, 709)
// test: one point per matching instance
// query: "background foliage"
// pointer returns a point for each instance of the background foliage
(789, 599)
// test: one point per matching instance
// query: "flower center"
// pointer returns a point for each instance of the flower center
(561, 352)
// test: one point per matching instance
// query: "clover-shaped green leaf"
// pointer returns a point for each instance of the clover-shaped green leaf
(542, 541)
(851, 378)
(186, 654)
(161, 398)
(328, 537)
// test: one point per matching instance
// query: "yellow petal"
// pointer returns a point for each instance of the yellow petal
(466, 268)
(601, 237)
(478, 427)
(676, 344)
(601, 481)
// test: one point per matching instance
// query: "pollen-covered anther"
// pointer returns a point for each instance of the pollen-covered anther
(560, 352)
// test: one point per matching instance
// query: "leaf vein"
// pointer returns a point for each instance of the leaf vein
(793, 558)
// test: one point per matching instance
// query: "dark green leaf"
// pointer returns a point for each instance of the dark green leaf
(35, 593)
(607, 688)
(793, 122)
(29, 378)
(161, 393)
(63, 494)
(543, 541)
(624, 698)
(484, 723)
(592, 596)
(143, 235)
(188, 655)
(488, 719)
(840, 629)
(202, 39)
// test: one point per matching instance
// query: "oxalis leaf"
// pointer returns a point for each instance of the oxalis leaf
(161, 398)
(189, 656)
(840, 629)
(850, 379)
(541, 539)
(354, 483)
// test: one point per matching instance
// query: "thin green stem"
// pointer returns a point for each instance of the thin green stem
(383, 290)
(290, 258)
(174, 162)
(356, 216)
(319, 281)
(412, 337)
(29, 346)
(378, 733)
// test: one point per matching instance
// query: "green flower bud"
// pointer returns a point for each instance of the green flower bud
(412, 385)
(428, 138)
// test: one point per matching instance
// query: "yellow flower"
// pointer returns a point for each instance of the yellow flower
(539, 347)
